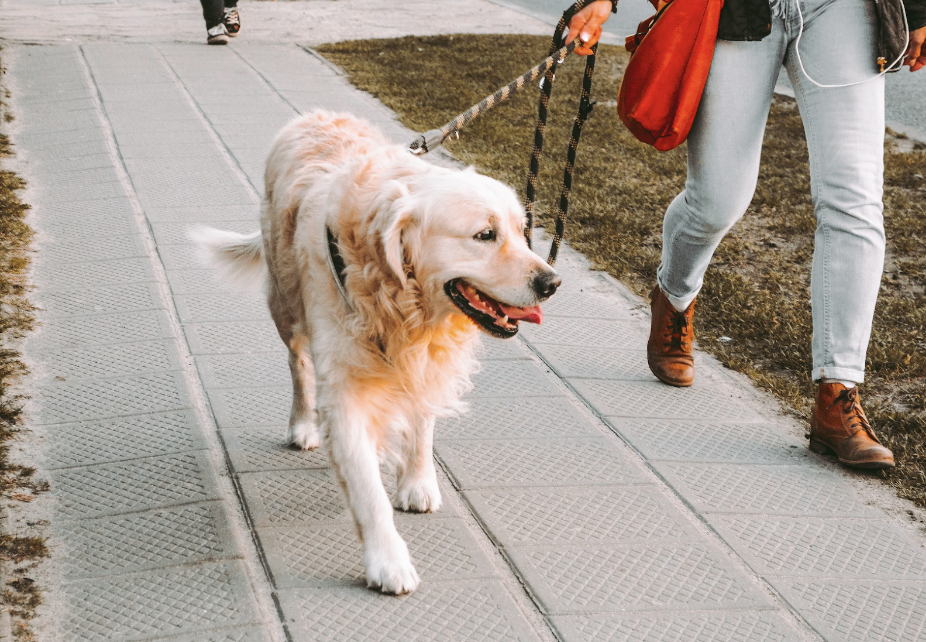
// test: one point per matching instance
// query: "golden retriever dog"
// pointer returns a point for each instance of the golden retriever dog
(380, 271)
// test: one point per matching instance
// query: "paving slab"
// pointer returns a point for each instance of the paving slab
(584, 500)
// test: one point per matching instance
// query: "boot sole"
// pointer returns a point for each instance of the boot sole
(821, 448)
(675, 384)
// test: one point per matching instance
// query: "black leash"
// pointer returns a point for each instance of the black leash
(585, 108)
(434, 138)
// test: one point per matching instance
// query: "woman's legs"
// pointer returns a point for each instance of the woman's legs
(724, 148)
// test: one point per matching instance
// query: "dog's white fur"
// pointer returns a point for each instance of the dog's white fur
(371, 374)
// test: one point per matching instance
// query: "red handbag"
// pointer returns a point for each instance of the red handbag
(671, 56)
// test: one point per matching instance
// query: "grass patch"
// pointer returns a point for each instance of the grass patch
(17, 483)
(757, 289)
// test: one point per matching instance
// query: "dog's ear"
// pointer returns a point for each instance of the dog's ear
(397, 213)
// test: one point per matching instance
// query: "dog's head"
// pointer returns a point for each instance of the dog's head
(461, 235)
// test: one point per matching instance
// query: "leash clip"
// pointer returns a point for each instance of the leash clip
(426, 142)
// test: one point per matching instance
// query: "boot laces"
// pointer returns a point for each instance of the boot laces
(677, 330)
(852, 407)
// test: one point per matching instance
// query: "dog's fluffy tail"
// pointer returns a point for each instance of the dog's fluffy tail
(238, 257)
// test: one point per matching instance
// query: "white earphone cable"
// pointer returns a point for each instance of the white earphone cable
(797, 50)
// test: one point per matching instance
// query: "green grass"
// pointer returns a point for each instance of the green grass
(757, 289)
(17, 482)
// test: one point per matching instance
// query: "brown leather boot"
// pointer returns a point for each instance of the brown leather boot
(839, 426)
(669, 351)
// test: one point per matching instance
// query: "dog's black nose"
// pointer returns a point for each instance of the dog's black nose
(545, 284)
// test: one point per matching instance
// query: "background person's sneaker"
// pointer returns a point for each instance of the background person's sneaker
(232, 21)
(218, 35)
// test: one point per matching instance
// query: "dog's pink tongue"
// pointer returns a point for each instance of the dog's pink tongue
(532, 314)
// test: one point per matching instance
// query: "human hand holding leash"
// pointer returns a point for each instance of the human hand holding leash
(916, 52)
(586, 25)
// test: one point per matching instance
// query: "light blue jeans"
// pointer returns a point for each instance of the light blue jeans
(845, 134)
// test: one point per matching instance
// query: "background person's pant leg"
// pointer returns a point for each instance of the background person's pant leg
(845, 135)
(213, 12)
(724, 148)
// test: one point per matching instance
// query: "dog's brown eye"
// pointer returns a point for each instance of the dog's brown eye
(485, 235)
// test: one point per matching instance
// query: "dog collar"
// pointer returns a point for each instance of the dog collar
(336, 264)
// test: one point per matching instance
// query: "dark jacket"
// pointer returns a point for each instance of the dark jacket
(752, 20)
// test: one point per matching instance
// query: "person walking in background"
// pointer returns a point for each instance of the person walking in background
(222, 20)
(830, 49)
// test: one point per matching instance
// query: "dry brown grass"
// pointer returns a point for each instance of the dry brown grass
(757, 289)
(17, 483)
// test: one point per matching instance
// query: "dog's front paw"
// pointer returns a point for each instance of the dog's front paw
(390, 568)
(420, 495)
(303, 435)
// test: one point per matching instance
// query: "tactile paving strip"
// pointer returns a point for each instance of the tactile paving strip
(480, 464)
(293, 497)
(172, 601)
(299, 497)
(95, 442)
(659, 401)
(822, 547)
(105, 398)
(673, 576)
(249, 407)
(66, 233)
(597, 363)
(584, 305)
(860, 611)
(265, 449)
(80, 332)
(55, 146)
(108, 300)
(222, 338)
(181, 257)
(245, 370)
(766, 490)
(124, 359)
(140, 541)
(213, 215)
(195, 282)
(308, 556)
(97, 274)
(602, 515)
(514, 418)
(104, 248)
(237, 634)
(457, 611)
(728, 626)
(53, 193)
(226, 306)
(513, 379)
(94, 209)
(502, 350)
(593, 333)
(711, 441)
(137, 484)
(179, 232)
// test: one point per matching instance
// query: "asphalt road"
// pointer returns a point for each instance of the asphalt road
(906, 92)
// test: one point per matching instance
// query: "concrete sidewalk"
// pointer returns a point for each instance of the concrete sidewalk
(585, 500)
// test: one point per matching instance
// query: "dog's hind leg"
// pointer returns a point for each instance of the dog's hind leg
(303, 428)
(417, 479)
(347, 424)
